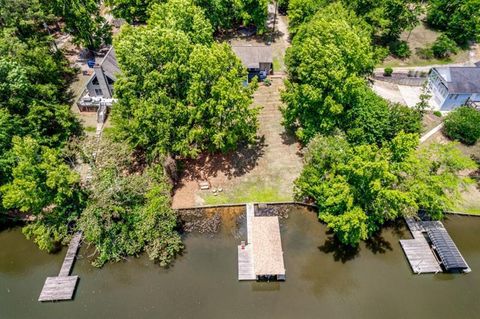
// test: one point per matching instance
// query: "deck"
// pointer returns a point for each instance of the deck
(63, 286)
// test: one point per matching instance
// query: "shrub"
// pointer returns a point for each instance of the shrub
(400, 49)
(388, 71)
(437, 113)
(425, 53)
(411, 73)
(463, 125)
(443, 47)
(267, 82)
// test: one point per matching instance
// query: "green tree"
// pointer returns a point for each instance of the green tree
(387, 18)
(462, 124)
(443, 47)
(359, 188)
(324, 71)
(185, 16)
(45, 186)
(458, 18)
(133, 11)
(179, 98)
(300, 12)
(82, 20)
(129, 211)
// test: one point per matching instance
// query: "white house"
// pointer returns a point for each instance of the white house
(452, 87)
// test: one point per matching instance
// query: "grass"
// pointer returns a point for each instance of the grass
(90, 129)
(420, 37)
(278, 64)
(256, 191)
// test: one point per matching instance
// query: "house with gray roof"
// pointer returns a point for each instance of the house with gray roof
(99, 88)
(452, 87)
(105, 74)
(257, 59)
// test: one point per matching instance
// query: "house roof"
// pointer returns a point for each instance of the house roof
(251, 56)
(460, 79)
(109, 64)
(267, 246)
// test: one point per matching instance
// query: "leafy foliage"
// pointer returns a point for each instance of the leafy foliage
(326, 89)
(358, 188)
(82, 20)
(181, 98)
(300, 12)
(185, 16)
(129, 211)
(443, 47)
(222, 15)
(458, 18)
(387, 18)
(462, 124)
(132, 11)
(44, 185)
(35, 124)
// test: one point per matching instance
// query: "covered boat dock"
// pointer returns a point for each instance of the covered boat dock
(262, 256)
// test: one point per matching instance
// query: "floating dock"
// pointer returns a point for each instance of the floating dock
(63, 286)
(262, 256)
(431, 248)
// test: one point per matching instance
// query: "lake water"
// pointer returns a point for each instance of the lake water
(322, 281)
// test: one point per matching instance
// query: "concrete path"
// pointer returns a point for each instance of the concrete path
(429, 134)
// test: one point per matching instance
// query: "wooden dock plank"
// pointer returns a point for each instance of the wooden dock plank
(70, 256)
(420, 256)
(245, 263)
(58, 288)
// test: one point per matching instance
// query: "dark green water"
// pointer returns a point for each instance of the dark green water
(322, 282)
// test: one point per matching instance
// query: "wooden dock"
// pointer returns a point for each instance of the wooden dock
(250, 216)
(420, 256)
(63, 286)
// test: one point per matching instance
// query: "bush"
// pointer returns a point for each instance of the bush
(443, 47)
(437, 113)
(388, 71)
(425, 53)
(411, 73)
(462, 124)
(400, 49)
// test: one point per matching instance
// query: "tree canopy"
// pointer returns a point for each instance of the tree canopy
(129, 209)
(326, 89)
(359, 188)
(179, 97)
(459, 19)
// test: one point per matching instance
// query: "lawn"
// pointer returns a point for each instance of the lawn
(419, 38)
(255, 191)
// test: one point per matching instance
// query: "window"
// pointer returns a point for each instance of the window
(110, 81)
(95, 80)
(98, 92)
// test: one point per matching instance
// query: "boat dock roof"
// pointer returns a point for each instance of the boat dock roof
(267, 246)
(446, 249)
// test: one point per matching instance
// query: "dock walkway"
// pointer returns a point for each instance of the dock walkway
(63, 286)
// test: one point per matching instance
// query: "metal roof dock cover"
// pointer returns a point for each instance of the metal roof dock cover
(446, 249)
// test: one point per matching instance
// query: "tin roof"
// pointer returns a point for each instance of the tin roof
(461, 79)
